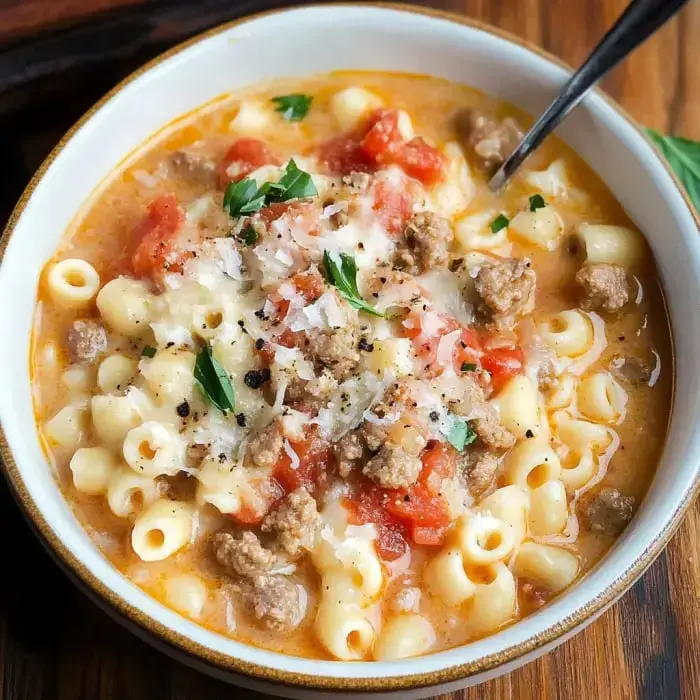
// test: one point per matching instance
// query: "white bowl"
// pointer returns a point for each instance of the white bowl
(301, 42)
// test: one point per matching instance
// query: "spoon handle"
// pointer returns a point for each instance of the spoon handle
(641, 19)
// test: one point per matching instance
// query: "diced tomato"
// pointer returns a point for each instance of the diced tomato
(468, 350)
(247, 515)
(269, 492)
(418, 507)
(310, 286)
(394, 206)
(379, 142)
(418, 159)
(344, 155)
(315, 456)
(367, 506)
(428, 536)
(244, 156)
(383, 133)
(156, 239)
(440, 459)
(502, 364)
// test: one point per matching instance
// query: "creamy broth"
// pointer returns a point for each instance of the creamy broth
(625, 368)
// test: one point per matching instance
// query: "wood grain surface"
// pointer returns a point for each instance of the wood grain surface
(56, 645)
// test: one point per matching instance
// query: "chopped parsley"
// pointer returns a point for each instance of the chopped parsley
(468, 367)
(213, 381)
(245, 197)
(148, 351)
(500, 222)
(293, 107)
(460, 435)
(341, 272)
(537, 202)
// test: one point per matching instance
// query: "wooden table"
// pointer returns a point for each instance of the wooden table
(55, 645)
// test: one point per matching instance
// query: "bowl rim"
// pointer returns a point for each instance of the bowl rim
(178, 642)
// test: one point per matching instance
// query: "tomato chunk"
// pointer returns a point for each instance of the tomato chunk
(367, 506)
(344, 155)
(419, 160)
(379, 142)
(383, 133)
(315, 456)
(502, 364)
(393, 205)
(244, 156)
(156, 239)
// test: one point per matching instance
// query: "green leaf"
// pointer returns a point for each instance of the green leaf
(537, 202)
(213, 381)
(468, 367)
(245, 197)
(500, 222)
(460, 435)
(296, 183)
(239, 194)
(343, 277)
(683, 155)
(148, 351)
(293, 107)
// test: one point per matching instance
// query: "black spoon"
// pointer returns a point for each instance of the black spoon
(636, 24)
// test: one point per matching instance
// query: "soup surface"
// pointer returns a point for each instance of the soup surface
(306, 380)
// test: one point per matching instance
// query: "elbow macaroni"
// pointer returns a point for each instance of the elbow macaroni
(403, 637)
(552, 567)
(92, 468)
(162, 529)
(614, 245)
(568, 333)
(115, 372)
(531, 463)
(153, 449)
(548, 509)
(124, 305)
(518, 407)
(600, 398)
(73, 282)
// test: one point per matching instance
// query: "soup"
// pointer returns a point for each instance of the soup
(307, 381)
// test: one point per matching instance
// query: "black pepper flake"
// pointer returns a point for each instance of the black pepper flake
(259, 344)
(170, 344)
(621, 338)
(382, 280)
(434, 416)
(255, 378)
(240, 419)
(222, 457)
(406, 498)
(375, 295)
(260, 313)
(365, 346)
(529, 433)
(183, 409)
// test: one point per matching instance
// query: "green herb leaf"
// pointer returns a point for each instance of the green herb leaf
(468, 367)
(239, 194)
(248, 235)
(296, 183)
(500, 222)
(148, 351)
(213, 381)
(293, 107)
(460, 435)
(343, 277)
(683, 155)
(537, 202)
(244, 196)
